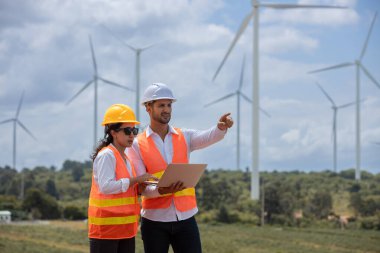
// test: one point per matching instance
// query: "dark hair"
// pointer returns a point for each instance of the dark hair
(150, 102)
(107, 139)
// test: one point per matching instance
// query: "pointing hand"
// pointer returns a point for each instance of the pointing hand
(225, 122)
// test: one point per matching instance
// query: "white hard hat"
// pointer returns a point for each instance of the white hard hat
(157, 91)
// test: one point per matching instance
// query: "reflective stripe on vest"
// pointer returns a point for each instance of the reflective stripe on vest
(155, 164)
(113, 216)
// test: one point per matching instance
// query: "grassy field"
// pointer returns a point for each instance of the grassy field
(70, 237)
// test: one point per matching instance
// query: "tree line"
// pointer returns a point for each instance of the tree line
(291, 198)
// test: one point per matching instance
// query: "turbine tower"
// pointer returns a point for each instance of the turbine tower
(335, 110)
(16, 122)
(359, 66)
(138, 52)
(256, 5)
(95, 81)
(238, 93)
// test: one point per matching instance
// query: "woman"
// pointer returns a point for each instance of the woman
(113, 205)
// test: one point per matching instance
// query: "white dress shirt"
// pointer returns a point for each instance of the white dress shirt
(105, 175)
(195, 139)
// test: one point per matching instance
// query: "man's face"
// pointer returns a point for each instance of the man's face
(160, 110)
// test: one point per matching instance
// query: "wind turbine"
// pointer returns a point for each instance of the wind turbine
(358, 65)
(238, 93)
(256, 5)
(95, 81)
(138, 52)
(335, 110)
(16, 122)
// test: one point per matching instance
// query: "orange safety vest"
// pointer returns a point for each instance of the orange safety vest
(155, 164)
(114, 216)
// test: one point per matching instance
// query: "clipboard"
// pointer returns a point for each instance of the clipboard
(188, 173)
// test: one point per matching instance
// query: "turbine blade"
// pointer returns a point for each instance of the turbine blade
(242, 74)
(26, 130)
(79, 92)
(265, 112)
(326, 94)
(250, 101)
(346, 105)
(246, 98)
(19, 104)
(149, 46)
(115, 84)
(220, 99)
(93, 56)
(368, 36)
(6, 121)
(342, 65)
(298, 6)
(369, 75)
(243, 26)
(118, 38)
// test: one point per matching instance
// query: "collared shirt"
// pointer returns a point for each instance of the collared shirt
(195, 139)
(105, 176)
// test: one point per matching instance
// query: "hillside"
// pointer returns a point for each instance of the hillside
(290, 198)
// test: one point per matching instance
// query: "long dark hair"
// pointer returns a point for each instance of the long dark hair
(107, 139)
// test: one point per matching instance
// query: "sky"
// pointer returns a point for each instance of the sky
(45, 52)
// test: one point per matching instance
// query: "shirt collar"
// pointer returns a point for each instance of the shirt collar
(149, 131)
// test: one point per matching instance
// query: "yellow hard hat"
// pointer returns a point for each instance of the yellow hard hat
(119, 113)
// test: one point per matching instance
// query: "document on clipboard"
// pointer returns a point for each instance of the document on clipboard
(187, 173)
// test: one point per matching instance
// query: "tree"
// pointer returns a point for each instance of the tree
(51, 189)
(320, 204)
(6, 176)
(77, 173)
(37, 201)
(272, 200)
(223, 215)
(73, 213)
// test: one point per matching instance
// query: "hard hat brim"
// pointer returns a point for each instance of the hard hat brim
(126, 121)
(155, 99)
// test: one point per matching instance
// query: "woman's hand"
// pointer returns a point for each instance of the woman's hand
(171, 189)
(143, 178)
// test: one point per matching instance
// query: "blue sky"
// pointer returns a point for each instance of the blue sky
(45, 51)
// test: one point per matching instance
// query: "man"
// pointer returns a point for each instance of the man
(168, 212)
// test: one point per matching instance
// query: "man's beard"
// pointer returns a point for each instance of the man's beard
(161, 119)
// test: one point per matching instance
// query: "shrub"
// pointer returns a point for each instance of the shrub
(46, 205)
(73, 213)
(370, 223)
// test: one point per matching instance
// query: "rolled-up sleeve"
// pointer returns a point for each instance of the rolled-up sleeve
(198, 139)
(105, 176)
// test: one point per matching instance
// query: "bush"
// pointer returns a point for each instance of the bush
(207, 217)
(245, 218)
(73, 213)
(372, 222)
(41, 205)
(281, 219)
(223, 215)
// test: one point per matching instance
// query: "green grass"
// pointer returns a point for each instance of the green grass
(70, 237)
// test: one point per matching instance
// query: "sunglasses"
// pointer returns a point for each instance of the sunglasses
(129, 130)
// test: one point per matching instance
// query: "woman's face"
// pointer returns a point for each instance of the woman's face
(124, 137)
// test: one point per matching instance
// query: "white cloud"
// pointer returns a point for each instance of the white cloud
(324, 17)
(278, 39)
(291, 136)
